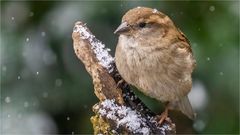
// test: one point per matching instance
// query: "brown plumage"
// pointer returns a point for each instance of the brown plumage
(155, 56)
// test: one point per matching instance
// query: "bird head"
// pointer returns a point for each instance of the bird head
(143, 21)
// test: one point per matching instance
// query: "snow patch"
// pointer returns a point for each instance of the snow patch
(104, 58)
(124, 116)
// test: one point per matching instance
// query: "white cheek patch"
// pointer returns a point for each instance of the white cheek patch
(181, 50)
(145, 31)
(128, 42)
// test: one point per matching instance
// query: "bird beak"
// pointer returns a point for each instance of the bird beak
(124, 27)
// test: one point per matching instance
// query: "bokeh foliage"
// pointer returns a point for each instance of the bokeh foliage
(42, 79)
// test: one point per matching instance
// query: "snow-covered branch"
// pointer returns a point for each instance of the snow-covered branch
(119, 110)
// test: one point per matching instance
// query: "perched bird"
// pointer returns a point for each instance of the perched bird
(153, 55)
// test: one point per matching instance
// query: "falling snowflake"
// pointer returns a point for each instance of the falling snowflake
(45, 95)
(7, 99)
(221, 73)
(155, 10)
(27, 39)
(68, 118)
(58, 82)
(212, 8)
(208, 59)
(26, 104)
(43, 34)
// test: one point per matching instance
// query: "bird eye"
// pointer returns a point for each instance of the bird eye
(142, 25)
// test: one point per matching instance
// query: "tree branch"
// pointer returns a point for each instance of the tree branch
(119, 111)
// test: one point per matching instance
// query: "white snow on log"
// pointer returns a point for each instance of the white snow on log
(104, 58)
(124, 116)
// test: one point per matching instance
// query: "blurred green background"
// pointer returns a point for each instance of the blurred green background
(45, 88)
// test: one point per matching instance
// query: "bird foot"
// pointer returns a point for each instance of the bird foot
(164, 117)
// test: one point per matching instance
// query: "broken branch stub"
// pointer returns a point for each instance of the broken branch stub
(119, 111)
(84, 44)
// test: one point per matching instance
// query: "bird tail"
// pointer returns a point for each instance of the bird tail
(185, 107)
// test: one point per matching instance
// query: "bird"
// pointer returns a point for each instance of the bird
(155, 56)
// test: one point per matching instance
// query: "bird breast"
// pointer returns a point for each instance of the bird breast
(152, 70)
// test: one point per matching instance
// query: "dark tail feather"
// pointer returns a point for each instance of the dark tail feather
(185, 107)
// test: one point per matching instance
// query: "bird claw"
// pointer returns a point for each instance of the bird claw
(164, 117)
(119, 83)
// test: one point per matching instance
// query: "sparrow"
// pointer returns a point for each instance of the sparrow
(153, 55)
